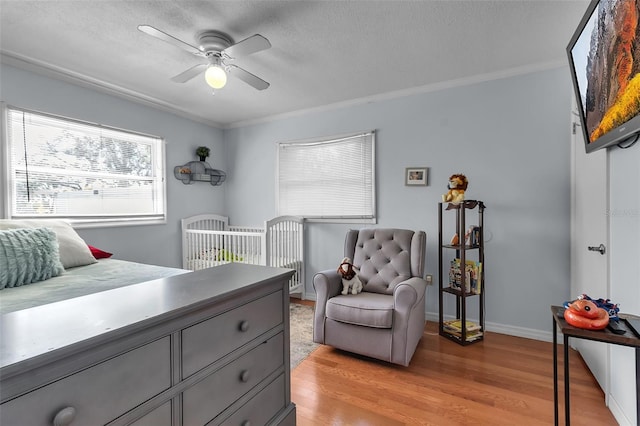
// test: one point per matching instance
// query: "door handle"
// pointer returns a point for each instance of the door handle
(601, 248)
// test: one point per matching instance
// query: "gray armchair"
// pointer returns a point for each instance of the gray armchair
(386, 320)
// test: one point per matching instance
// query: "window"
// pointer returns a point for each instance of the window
(330, 178)
(87, 173)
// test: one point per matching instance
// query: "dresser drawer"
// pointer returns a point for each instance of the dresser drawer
(97, 394)
(209, 397)
(261, 408)
(161, 416)
(210, 340)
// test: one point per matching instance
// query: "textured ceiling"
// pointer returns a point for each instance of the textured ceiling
(323, 52)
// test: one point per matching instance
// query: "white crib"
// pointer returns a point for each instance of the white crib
(208, 240)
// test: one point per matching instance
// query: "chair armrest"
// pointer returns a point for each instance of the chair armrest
(327, 284)
(408, 293)
(408, 318)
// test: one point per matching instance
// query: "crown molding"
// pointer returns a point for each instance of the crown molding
(78, 79)
(449, 84)
(75, 78)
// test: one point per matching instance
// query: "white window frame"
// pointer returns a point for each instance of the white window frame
(368, 216)
(7, 205)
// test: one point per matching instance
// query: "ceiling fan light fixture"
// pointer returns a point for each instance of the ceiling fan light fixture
(216, 47)
(215, 76)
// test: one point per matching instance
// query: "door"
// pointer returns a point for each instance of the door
(590, 228)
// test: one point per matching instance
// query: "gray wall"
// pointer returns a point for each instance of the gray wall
(157, 244)
(509, 136)
(624, 252)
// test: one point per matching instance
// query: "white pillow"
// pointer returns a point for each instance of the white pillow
(73, 250)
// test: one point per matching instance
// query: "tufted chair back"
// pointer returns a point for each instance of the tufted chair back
(386, 257)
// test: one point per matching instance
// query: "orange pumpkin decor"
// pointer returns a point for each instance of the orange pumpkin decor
(586, 314)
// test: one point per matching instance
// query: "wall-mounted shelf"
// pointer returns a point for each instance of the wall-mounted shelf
(199, 171)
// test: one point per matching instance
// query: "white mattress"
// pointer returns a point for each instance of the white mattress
(107, 274)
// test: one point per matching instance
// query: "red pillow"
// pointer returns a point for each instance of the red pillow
(99, 254)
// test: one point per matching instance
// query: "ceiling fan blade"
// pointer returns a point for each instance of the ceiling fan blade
(154, 32)
(249, 45)
(187, 75)
(248, 78)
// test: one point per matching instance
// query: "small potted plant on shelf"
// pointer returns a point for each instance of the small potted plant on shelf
(202, 152)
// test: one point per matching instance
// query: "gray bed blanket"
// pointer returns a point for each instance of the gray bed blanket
(107, 274)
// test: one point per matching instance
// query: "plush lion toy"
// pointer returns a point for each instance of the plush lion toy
(349, 274)
(457, 186)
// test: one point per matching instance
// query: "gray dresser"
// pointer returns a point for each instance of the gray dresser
(207, 347)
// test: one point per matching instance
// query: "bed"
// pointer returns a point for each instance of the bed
(30, 274)
(208, 240)
(105, 274)
(106, 341)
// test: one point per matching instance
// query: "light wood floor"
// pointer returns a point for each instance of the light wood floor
(503, 380)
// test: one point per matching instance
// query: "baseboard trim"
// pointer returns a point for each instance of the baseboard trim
(618, 413)
(511, 330)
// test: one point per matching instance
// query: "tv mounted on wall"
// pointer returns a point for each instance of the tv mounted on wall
(604, 57)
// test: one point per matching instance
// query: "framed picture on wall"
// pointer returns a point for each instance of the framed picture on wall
(415, 176)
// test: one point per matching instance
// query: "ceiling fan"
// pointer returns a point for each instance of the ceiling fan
(219, 49)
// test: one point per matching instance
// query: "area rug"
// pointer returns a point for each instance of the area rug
(301, 330)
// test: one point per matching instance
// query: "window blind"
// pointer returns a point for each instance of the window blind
(66, 168)
(328, 178)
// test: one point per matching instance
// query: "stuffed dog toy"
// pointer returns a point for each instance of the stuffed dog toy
(350, 278)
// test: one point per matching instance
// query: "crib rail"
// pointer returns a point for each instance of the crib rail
(207, 248)
(209, 222)
(235, 228)
(285, 247)
(208, 240)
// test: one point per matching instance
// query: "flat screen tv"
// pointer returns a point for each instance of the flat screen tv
(604, 57)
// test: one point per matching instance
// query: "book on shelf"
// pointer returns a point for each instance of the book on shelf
(473, 332)
(472, 236)
(456, 325)
(470, 337)
(472, 279)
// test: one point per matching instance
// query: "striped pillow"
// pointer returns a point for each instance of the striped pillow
(28, 255)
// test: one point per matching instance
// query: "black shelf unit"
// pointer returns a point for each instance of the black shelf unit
(476, 252)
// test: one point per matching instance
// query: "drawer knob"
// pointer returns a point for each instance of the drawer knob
(244, 325)
(244, 376)
(246, 423)
(64, 416)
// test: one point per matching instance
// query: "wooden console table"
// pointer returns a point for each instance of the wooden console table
(606, 336)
